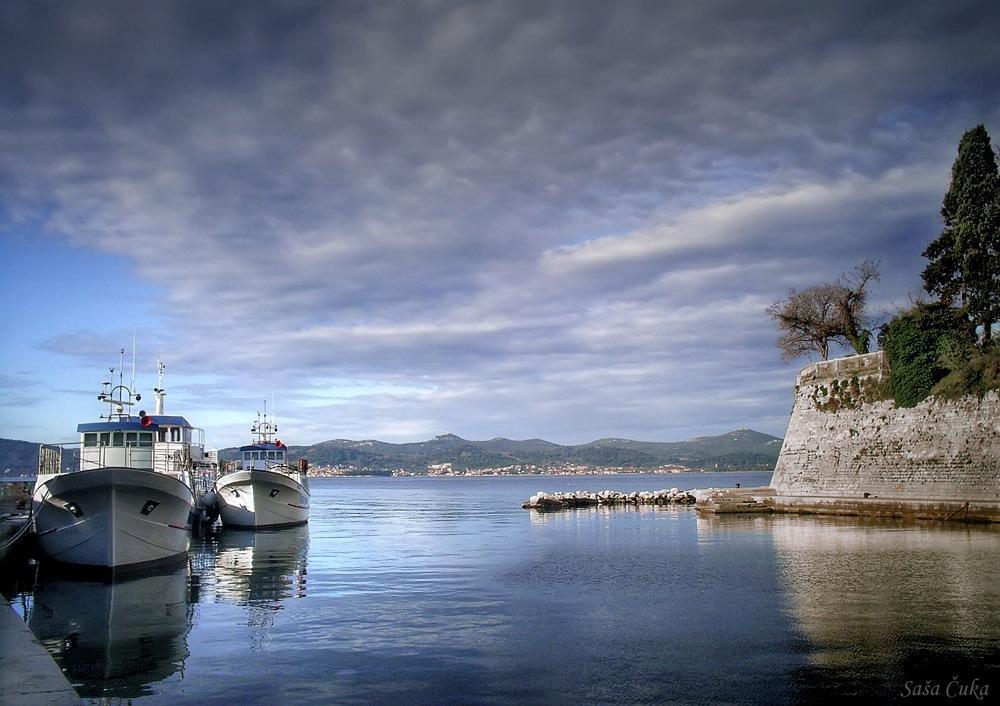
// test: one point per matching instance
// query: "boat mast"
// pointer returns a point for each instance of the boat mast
(158, 391)
(262, 429)
(117, 405)
(133, 360)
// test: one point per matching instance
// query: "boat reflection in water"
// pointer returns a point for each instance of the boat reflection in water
(883, 604)
(114, 640)
(259, 570)
(261, 567)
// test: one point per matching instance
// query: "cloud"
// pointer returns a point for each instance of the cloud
(558, 218)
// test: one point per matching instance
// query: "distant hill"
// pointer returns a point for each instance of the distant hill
(743, 450)
(21, 457)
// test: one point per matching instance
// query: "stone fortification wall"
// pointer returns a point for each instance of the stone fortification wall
(845, 440)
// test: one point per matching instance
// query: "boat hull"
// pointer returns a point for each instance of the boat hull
(113, 518)
(261, 499)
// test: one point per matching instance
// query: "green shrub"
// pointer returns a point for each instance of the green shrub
(976, 375)
(922, 344)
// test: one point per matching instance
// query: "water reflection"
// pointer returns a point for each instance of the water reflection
(603, 512)
(483, 602)
(114, 639)
(261, 568)
(883, 603)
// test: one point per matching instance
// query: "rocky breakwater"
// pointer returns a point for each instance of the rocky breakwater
(565, 501)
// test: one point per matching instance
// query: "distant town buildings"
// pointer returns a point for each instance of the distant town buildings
(519, 469)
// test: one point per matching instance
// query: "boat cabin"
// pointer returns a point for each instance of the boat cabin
(263, 455)
(151, 443)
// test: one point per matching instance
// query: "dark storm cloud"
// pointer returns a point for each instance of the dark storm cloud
(524, 218)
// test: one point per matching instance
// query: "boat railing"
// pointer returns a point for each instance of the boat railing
(279, 466)
(49, 459)
(70, 457)
(203, 478)
(103, 456)
(172, 459)
(269, 465)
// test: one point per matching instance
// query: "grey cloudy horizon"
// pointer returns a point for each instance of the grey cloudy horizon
(549, 219)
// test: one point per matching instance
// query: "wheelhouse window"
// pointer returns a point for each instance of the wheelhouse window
(271, 456)
(105, 438)
(118, 438)
(131, 438)
(175, 433)
(145, 438)
(90, 439)
(246, 455)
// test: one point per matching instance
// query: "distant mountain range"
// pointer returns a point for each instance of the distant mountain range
(741, 450)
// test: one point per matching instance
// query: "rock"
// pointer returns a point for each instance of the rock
(580, 498)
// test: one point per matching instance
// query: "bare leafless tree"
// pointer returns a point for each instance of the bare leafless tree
(851, 297)
(812, 319)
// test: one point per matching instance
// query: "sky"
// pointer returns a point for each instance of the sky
(394, 220)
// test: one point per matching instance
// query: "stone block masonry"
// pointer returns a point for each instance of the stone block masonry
(845, 441)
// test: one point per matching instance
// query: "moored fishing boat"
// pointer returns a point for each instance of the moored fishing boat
(126, 499)
(264, 490)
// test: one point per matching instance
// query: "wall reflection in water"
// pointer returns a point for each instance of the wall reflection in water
(114, 639)
(881, 604)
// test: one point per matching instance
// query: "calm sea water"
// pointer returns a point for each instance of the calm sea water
(442, 590)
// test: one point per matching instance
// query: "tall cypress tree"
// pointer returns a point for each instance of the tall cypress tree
(964, 260)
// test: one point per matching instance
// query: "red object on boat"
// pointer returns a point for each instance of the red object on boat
(145, 421)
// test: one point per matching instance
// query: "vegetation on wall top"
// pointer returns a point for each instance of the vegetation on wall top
(943, 347)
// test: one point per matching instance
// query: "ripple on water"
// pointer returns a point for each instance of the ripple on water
(445, 591)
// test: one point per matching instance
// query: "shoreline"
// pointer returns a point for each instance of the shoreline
(532, 475)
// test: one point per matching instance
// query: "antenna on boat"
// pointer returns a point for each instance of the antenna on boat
(121, 383)
(262, 429)
(158, 391)
(105, 394)
(132, 384)
(117, 404)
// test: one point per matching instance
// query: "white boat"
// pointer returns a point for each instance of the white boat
(264, 490)
(126, 501)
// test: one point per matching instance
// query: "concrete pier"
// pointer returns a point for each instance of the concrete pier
(722, 501)
(766, 500)
(28, 676)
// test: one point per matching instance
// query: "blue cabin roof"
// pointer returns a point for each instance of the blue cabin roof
(133, 424)
(268, 446)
